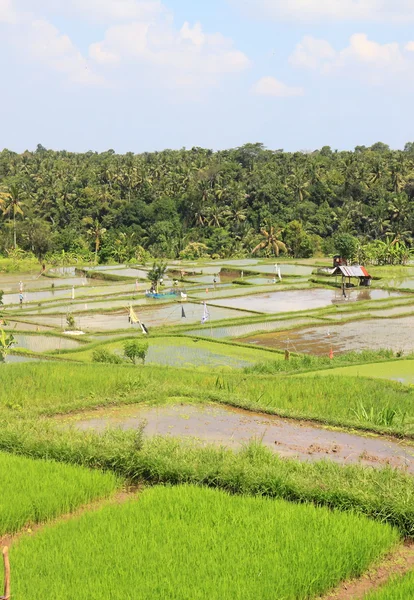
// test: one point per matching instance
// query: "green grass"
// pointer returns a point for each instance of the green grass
(31, 389)
(34, 491)
(191, 543)
(398, 588)
(386, 495)
(185, 351)
(397, 369)
(310, 362)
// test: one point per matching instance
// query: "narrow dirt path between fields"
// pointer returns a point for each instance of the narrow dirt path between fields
(118, 498)
(397, 563)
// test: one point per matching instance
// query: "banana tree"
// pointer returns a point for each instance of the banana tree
(6, 342)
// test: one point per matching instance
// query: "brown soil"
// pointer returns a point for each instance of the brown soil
(397, 563)
(31, 528)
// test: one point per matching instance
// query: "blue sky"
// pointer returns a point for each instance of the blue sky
(142, 75)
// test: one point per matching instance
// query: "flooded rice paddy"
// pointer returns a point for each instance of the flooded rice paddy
(224, 426)
(44, 343)
(236, 331)
(374, 334)
(192, 356)
(298, 300)
(154, 316)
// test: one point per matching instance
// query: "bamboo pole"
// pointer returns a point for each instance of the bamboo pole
(6, 562)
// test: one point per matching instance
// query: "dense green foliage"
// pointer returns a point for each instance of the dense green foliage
(34, 491)
(189, 543)
(122, 206)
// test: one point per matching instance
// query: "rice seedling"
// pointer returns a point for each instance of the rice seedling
(192, 543)
(386, 495)
(398, 588)
(34, 491)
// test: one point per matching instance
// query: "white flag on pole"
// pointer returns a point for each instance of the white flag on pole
(206, 314)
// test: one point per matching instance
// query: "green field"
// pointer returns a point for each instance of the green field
(398, 588)
(402, 370)
(182, 351)
(38, 389)
(192, 543)
(34, 491)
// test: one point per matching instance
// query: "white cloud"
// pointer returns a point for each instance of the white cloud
(270, 86)
(7, 12)
(33, 40)
(368, 60)
(46, 45)
(182, 57)
(140, 41)
(334, 10)
(311, 53)
(95, 10)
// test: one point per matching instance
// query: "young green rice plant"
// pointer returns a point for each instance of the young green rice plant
(34, 491)
(398, 588)
(194, 543)
(386, 495)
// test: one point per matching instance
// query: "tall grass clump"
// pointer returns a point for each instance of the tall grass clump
(193, 543)
(34, 491)
(310, 362)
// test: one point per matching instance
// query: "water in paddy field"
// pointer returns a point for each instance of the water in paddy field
(33, 284)
(233, 427)
(12, 359)
(155, 316)
(237, 331)
(194, 356)
(372, 334)
(44, 343)
(298, 300)
(128, 272)
(284, 269)
(398, 283)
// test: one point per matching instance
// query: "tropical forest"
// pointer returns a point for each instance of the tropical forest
(197, 203)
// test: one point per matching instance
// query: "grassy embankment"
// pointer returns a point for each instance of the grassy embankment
(366, 404)
(398, 588)
(29, 391)
(35, 491)
(192, 543)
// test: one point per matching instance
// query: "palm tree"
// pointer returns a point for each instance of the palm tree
(97, 232)
(299, 182)
(13, 206)
(271, 241)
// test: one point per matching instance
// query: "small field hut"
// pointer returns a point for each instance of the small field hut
(354, 272)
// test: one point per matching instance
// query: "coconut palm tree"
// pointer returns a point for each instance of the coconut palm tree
(271, 241)
(12, 206)
(97, 232)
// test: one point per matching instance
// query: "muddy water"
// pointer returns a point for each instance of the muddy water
(298, 300)
(232, 427)
(375, 334)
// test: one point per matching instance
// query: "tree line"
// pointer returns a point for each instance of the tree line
(194, 203)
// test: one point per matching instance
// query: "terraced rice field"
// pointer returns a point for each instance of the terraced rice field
(34, 491)
(192, 543)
